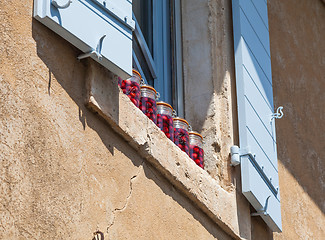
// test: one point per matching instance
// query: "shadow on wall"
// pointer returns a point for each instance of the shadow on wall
(197, 214)
(297, 51)
(61, 59)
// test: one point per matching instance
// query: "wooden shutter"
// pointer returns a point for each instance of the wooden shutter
(101, 28)
(259, 169)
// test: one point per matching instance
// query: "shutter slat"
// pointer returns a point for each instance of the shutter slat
(259, 102)
(252, 67)
(257, 50)
(261, 8)
(263, 160)
(258, 26)
(262, 138)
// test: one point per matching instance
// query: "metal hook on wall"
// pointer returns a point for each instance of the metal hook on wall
(278, 114)
(55, 4)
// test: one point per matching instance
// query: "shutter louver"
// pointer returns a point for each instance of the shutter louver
(101, 29)
(259, 169)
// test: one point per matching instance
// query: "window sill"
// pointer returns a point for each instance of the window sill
(150, 142)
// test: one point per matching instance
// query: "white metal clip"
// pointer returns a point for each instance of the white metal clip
(278, 114)
(263, 211)
(57, 5)
(96, 52)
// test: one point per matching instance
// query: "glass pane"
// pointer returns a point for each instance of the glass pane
(142, 10)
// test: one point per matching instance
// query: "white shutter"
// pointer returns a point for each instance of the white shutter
(101, 28)
(259, 169)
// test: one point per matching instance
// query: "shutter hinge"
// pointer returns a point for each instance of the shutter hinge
(237, 152)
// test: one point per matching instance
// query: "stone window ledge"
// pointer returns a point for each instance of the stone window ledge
(105, 98)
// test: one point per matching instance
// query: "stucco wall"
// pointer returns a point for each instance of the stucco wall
(210, 100)
(298, 66)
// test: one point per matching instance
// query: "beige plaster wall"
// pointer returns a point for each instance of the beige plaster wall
(64, 173)
(210, 106)
(298, 65)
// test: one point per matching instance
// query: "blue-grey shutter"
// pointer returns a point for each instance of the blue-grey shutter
(101, 28)
(259, 169)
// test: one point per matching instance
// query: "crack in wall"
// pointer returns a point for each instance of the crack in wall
(127, 198)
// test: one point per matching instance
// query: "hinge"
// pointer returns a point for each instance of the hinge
(237, 152)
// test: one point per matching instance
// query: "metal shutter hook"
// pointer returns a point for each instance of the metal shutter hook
(96, 53)
(278, 114)
(262, 211)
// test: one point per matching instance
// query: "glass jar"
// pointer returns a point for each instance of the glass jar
(181, 137)
(165, 119)
(196, 150)
(131, 87)
(148, 102)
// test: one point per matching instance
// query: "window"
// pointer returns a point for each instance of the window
(157, 52)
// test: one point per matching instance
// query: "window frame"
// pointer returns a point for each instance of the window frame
(164, 65)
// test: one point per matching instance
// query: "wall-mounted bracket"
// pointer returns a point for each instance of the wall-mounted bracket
(237, 152)
(263, 211)
(278, 114)
(57, 5)
(96, 53)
